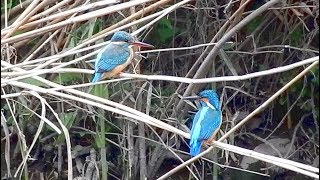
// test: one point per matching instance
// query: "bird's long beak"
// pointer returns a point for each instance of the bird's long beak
(142, 44)
(191, 97)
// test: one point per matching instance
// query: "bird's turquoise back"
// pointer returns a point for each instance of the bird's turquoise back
(111, 56)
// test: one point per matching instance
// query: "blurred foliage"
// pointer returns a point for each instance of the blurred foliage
(100, 90)
(252, 25)
(85, 31)
(67, 78)
(167, 91)
(10, 4)
(164, 31)
(296, 36)
(306, 87)
(68, 118)
(34, 82)
(98, 138)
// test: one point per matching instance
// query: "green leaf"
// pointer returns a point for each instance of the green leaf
(67, 78)
(68, 118)
(166, 91)
(252, 26)
(17, 32)
(26, 114)
(91, 25)
(72, 42)
(82, 133)
(9, 121)
(98, 140)
(164, 30)
(34, 82)
(98, 26)
(296, 36)
(100, 90)
(83, 31)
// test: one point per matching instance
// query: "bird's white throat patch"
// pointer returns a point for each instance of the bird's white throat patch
(210, 106)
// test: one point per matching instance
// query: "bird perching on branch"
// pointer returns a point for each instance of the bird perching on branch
(116, 56)
(206, 122)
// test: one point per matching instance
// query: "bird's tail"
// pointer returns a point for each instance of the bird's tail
(96, 77)
(195, 147)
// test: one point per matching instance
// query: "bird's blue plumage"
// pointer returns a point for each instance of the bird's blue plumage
(122, 36)
(112, 56)
(212, 96)
(115, 53)
(205, 122)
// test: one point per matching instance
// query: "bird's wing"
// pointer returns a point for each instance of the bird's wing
(205, 122)
(194, 122)
(213, 122)
(110, 57)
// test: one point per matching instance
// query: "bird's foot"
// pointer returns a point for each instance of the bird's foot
(110, 75)
(209, 141)
(118, 75)
(206, 142)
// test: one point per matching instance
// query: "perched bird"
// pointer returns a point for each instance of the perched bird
(116, 56)
(206, 122)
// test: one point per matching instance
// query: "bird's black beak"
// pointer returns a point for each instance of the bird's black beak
(142, 44)
(191, 97)
(195, 98)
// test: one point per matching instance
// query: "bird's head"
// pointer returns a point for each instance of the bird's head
(207, 97)
(210, 97)
(124, 37)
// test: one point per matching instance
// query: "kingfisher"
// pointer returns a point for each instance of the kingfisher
(206, 122)
(116, 56)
